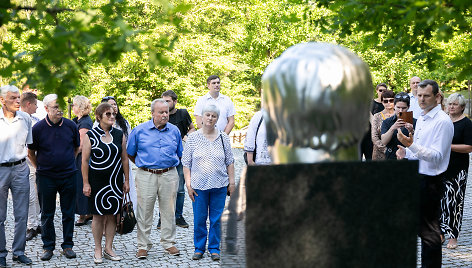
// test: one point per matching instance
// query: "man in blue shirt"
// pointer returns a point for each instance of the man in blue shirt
(55, 145)
(155, 147)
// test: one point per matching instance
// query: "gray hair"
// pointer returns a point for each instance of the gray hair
(456, 97)
(212, 109)
(83, 104)
(49, 98)
(160, 101)
(8, 88)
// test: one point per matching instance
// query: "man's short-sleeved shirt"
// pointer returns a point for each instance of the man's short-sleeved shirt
(223, 103)
(55, 146)
(181, 119)
(155, 148)
(14, 136)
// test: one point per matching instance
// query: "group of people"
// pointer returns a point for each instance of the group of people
(90, 165)
(440, 137)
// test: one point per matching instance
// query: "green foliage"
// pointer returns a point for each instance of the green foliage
(137, 49)
(426, 32)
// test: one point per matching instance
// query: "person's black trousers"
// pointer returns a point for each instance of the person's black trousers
(48, 189)
(430, 232)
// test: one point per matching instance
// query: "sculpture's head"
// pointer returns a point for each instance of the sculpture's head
(316, 98)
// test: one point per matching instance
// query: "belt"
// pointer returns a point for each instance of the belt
(10, 164)
(157, 171)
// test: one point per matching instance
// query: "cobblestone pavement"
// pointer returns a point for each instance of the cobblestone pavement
(462, 255)
(125, 245)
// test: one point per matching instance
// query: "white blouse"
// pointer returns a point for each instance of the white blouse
(262, 153)
(207, 160)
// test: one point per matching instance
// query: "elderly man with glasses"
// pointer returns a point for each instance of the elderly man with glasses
(53, 151)
(155, 147)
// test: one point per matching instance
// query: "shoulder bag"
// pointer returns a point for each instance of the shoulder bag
(127, 219)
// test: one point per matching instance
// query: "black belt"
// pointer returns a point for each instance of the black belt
(10, 164)
(157, 171)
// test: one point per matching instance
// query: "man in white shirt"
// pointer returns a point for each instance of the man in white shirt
(226, 120)
(414, 106)
(40, 111)
(14, 135)
(28, 104)
(431, 145)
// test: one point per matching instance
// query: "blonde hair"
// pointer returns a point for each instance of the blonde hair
(83, 104)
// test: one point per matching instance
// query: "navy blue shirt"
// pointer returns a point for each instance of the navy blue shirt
(55, 145)
(155, 148)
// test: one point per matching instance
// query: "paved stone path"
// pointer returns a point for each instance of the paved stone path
(126, 244)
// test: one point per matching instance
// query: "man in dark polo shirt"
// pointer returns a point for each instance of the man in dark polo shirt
(180, 118)
(55, 145)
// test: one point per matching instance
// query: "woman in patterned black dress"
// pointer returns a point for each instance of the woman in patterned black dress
(105, 174)
(452, 202)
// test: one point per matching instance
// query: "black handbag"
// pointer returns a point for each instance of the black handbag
(255, 145)
(127, 219)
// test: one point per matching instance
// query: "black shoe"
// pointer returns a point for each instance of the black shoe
(69, 253)
(38, 229)
(3, 262)
(47, 255)
(215, 256)
(181, 222)
(22, 259)
(197, 256)
(30, 234)
(159, 224)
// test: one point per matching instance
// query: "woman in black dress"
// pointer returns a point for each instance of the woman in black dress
(105, 174)
(81, 107)
(452, 202)
(366, 144)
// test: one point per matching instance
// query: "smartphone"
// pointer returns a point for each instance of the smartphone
(406, 116)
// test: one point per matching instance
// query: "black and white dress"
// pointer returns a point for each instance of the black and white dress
(105, 172)
(452, 202)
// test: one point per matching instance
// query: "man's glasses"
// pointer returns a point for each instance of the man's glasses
(109, 114)
(108, 98)
(388, 100)
(54, 108)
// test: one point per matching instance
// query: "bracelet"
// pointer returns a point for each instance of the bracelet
(232, 184)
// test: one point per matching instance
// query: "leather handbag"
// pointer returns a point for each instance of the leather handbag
(127, 219)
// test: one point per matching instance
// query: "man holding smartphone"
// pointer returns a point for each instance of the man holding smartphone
(431, 145)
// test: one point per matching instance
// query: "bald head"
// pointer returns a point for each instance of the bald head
(414, 81)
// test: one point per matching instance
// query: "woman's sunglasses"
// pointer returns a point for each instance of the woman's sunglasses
(108, 98)
(387, 101)
(109, 114)
(402, 97)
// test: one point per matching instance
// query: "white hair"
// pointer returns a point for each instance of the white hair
(457, 97)
(8, 88)
(160, 101)
(212, 109)
(49, 98)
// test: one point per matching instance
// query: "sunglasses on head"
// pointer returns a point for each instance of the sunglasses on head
(402, 97)
(108, 98)
(387, 101)
(109, 114)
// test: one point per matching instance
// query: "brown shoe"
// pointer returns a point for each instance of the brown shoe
(142, 254)
(173, 251)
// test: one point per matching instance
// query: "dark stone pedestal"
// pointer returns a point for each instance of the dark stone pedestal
(343, 214)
